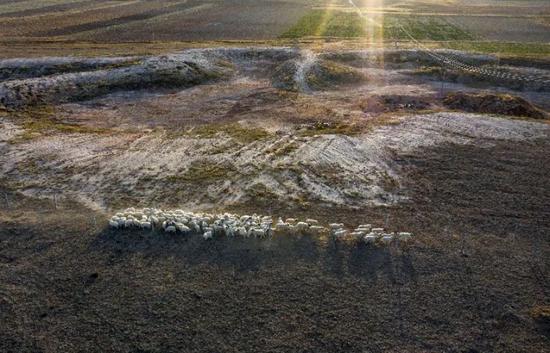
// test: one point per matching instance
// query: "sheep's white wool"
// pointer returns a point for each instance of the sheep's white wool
(231, 225)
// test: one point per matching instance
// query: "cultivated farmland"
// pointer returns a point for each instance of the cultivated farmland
(274, 176)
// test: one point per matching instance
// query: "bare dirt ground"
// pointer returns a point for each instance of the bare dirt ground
(110, 104)
(237, 135)
(341, 136)
(470, 283)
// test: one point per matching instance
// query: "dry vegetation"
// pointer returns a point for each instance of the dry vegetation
(324, 129)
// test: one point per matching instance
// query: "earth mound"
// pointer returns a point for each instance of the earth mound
(503, 104)
(317, 75)
(393, 103)
(326, 74)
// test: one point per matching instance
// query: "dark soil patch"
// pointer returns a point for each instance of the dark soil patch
(392, 103)
(117, 21)
(493, 104)
(46, 9)
(468, 284)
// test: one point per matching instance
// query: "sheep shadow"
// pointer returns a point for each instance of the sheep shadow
(239, 254)
(251, 254)
(370, 262)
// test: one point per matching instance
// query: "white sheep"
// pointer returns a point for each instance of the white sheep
(366, 228)
(240, 231)
(113, 224)
(207, 235)
(170, 229)
(315, 230)
(245, 218)
(369, 239)
(282, 227)
(257, 232)
(387, 238)
(301, 226)
(357, 234)
(404, 236)
(182, 228)
(377, 230)
(340, 233)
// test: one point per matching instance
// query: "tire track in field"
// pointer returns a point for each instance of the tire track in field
(48, 8)
(145, 15)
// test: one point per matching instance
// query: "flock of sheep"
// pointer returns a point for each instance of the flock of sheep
(231, 225)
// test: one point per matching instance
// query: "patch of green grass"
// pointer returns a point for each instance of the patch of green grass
(422, 28)
(502, 48)
(327, 23)
(333, 23)
(324, 128)
(48, 125)
(40, 120)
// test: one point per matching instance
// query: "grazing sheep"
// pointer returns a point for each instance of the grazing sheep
(404, 236)
(282, 227)
(241, 231)
(316, 230)
(194, 226)
(231, 225)
(369, 239)
(245, 218)
(182, 228)
(340, 233)
(357, 234)
(365, 228)
(257, 232)
(387, 239)
(301, 226)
